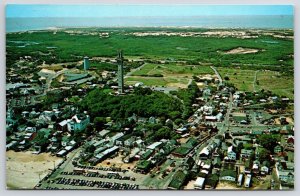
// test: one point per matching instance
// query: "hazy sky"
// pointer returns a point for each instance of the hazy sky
(143, 10)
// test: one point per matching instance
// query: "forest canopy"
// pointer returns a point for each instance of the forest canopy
(143, 102)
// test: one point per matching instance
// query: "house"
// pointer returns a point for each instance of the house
(108, 152)
(228, 175)
(210, 118)
(255, 167)
(278, 149)
(199, 184)
(129, 142)
(147, 154)
(79, 122)
(264, 170)
(205, 152)
(178, 180)
(219, 116)
(104, 133)
(144, 166)
(231, 155)
(63, 125)
(246, 153)
(207, 165)
(217, 162)
(286, 176)
(240, 180)
(155, 145)
(248, 181)
(30, 136)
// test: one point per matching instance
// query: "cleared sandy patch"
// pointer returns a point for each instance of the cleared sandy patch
(226, 186)
(177, 85)
(241, 50)
(290, 120)
(24, 169)
(190, 185)
(116, 162)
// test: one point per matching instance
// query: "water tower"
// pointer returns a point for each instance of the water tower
(86, 63)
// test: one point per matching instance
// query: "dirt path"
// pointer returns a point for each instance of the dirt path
(218, 74)
(254, 81)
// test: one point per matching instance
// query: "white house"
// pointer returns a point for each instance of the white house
(264, 170)
(199, 184)
(230, 153)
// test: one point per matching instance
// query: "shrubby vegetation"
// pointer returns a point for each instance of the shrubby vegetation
(72, 48)
(143, 102)
(188, 97)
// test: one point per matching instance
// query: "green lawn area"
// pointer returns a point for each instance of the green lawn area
(174, 75)
(242, 79)
(267, 80)
(275, 82)
(173, 69)
(158, 81)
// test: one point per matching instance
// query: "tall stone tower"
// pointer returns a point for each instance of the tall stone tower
(86, 63)
(120, 72)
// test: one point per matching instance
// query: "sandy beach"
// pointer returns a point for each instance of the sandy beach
(24, 169)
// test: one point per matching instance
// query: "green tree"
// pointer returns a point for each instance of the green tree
(264, 155)
(267, 141)
(99, 122)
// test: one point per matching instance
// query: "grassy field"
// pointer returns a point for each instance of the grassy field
(158, 81)
(242, 79)
(173, 70)
(275, 82)
(172, 75)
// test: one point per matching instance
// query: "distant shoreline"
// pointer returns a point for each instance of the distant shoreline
(209, 22)
(146, 27)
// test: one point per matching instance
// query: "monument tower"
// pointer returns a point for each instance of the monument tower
(120, 72)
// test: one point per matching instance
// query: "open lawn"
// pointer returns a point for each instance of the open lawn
(171, 75)
(251, 80)
(173, 70)
(275, 82)
(158, 81)
(242, 79)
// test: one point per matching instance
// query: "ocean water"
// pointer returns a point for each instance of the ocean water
(253, 21)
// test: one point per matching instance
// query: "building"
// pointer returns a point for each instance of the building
(278, 149)
(78, 122)
(199, 184)
(178, 180)
(248, 181)
(86, 63)
(228, 175)
(246, 153)
(231, 155)
(120, 72)
(240, 180)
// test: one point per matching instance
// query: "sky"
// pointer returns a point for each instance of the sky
(13, 10)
